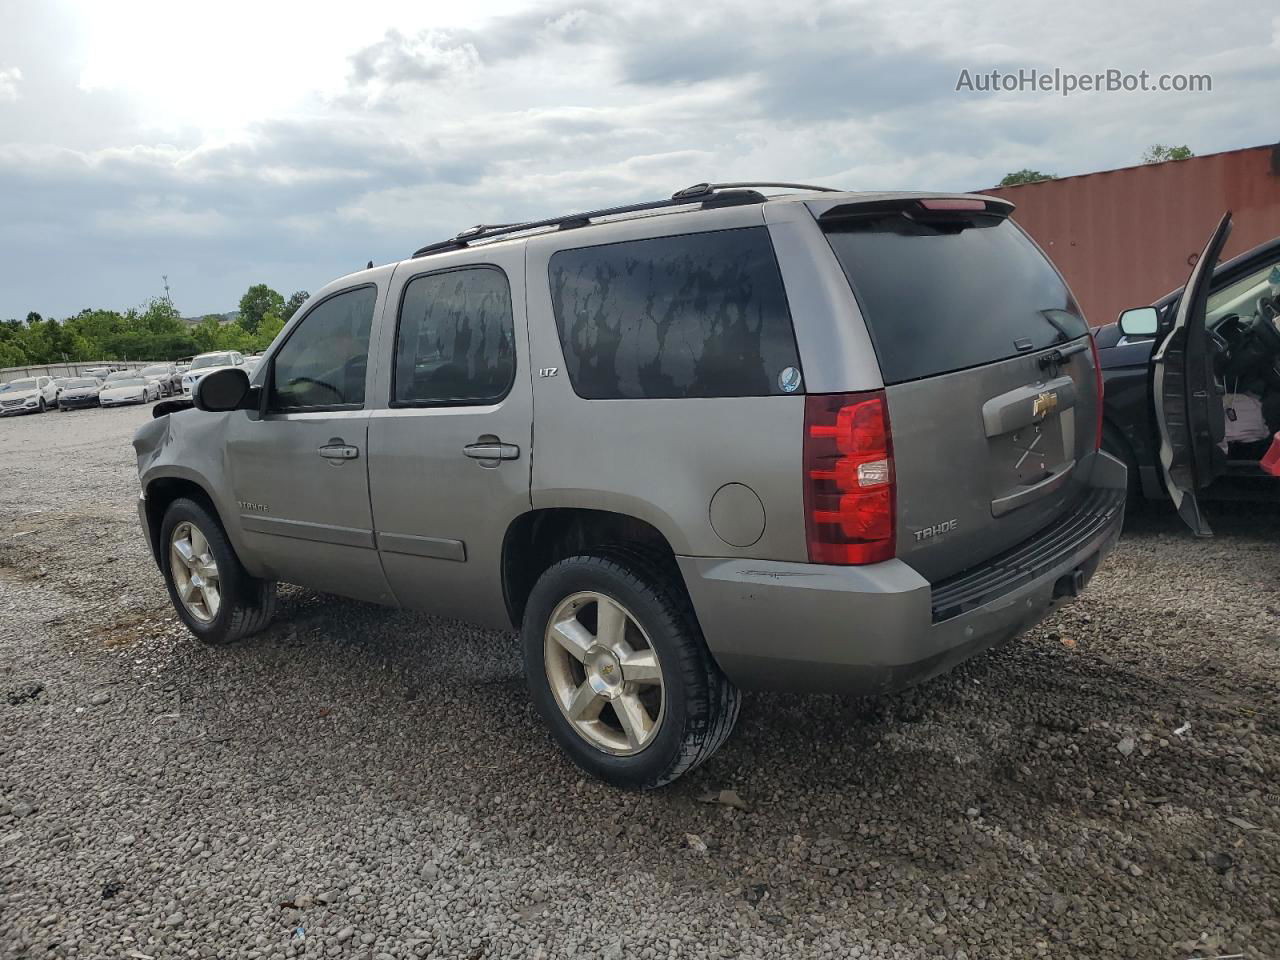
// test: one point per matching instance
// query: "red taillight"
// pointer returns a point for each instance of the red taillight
(1097, 379)
(848, 478)
(953, 203)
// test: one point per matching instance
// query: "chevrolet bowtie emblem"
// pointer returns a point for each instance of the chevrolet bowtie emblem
(1044, 405)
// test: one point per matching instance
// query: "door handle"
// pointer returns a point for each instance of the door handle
(494, 450)
(339, 451)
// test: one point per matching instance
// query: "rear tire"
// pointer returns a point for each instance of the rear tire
(689, 710)
(210, 589)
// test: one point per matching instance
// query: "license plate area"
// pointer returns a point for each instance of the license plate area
(1031, 440)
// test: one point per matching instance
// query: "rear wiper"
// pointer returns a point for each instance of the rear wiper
(1059, 356)
(1056, 358)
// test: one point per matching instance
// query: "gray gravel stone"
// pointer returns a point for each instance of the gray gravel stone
(384, 773)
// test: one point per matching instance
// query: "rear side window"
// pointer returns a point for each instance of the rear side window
(323, 362)
(697, 315)
(455, 342)
(951, 294)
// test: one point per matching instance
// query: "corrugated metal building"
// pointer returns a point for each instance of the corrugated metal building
(1124, 238)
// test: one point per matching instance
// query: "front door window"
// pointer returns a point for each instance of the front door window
(322, 365)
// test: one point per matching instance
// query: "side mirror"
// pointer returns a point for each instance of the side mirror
(1140, 322)
(222, 390)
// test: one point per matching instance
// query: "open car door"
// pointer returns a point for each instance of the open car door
(1186, 393)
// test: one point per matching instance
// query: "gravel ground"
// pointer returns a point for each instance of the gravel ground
(360, 782)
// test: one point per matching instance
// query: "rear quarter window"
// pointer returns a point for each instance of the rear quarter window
(695, 315)
(952, 294)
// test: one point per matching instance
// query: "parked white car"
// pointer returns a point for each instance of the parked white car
(137, 389)
(205, 363)
(29, 395)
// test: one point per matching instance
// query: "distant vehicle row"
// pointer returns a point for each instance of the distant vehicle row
(207, 363)
(109, 387)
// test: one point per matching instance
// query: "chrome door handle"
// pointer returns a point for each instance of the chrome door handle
(339, 451)
(492, 451)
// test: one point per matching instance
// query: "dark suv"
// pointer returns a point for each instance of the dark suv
(1234, 326)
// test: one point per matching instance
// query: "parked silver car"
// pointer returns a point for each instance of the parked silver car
(166, 375)
(818, 441)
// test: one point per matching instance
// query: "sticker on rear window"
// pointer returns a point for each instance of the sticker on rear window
(789, 380)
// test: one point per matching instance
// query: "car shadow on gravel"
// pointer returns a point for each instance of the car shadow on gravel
(1245, 520)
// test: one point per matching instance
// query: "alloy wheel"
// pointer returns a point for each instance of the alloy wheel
(604, 673)
(195, 572)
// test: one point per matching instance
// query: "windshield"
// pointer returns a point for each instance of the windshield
(1241, 297)
(20, 385)
(128, 382)
(212, 360)
(80, 383)
(158, 370)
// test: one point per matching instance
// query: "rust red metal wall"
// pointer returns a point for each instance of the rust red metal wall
(1124, 238)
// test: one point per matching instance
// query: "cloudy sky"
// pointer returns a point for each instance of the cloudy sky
(235, 142)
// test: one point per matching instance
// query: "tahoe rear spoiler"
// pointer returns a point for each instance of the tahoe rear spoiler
(923, 209)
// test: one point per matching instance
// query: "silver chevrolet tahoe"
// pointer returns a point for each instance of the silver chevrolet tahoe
(805, 440)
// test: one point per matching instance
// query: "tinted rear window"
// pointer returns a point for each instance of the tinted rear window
(697, 315)
(456, 340)
(951, 295)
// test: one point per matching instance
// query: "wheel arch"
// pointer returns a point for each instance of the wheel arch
(539, 538)
(1143, 479)
(163, 491)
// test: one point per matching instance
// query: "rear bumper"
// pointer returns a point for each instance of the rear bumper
(874, 629)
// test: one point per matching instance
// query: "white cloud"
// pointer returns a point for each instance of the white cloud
(257, 141)
(9, 80)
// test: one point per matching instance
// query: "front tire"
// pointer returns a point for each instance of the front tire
(44, 407)
(618, 668)
(210, 589)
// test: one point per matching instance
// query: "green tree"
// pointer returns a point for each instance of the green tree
(1159, 153)
(207, 333)
(47, 341)
(295, 301)
(271, 326)
(232, 336)
(257, 302)
(1025, 176)
(96, 327)
(11, 354)
(161, 317)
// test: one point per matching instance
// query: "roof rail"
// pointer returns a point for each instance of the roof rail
(708, 194)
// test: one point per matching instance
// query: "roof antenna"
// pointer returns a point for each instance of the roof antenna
(370, 266)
